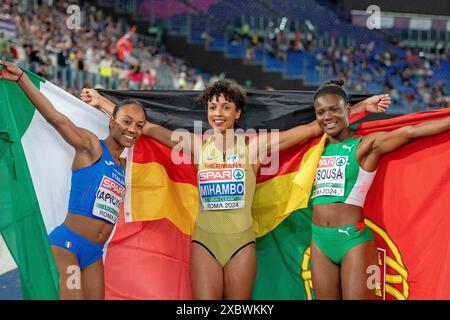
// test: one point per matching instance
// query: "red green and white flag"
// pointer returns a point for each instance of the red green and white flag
(35, 172)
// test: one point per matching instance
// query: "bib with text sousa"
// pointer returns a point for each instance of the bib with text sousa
(330, 176)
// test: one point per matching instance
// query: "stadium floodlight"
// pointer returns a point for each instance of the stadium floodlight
(309, 25)
(283, 23)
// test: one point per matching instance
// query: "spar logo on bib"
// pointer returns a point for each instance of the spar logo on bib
(215, 175)
(341, 161)
(329, 162)
(238, 174)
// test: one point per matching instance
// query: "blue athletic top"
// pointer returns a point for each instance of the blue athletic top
(97, 191)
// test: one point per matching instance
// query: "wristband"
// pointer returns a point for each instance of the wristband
(20, 76)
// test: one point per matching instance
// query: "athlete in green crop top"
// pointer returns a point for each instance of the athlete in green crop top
(223, 259)
(342, 247)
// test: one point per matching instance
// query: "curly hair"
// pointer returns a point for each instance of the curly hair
(231, 91)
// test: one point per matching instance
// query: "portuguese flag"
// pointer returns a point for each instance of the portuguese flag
(407, 210)
(35, 172)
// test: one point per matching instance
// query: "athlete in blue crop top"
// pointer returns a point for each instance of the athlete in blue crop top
(342, 247)
(106, 179)
(97, 188)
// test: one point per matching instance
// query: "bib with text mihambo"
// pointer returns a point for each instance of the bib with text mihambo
(222, 189)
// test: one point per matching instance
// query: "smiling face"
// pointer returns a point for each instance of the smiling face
(332, 114)
(222, 114)
(126, 126)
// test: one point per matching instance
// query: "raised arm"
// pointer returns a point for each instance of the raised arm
(159, 133)
(297, 134)
(95, 99)
(377, 144)
(373, 104)
(288, 138)
(79, 138)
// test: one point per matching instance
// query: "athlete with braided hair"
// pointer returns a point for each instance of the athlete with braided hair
(342, 246)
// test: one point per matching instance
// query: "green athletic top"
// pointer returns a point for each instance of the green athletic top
(339, 178)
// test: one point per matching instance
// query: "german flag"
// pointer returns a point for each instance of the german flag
(172, 189)
(161, 205)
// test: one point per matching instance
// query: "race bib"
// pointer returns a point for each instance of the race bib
(222, 189)
(330, 176)
(108, 199)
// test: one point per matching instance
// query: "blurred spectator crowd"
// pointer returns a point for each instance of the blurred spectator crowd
(42, 40)
(410, 78)
(104, 52)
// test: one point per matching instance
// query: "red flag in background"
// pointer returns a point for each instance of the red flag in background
(125, 44)
(408, 208)
(150, 259)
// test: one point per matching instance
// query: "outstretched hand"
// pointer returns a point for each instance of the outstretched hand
(378, 103)
(90, 96)
(10, 71)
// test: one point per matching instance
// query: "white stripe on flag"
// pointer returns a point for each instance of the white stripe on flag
(50, 158)
(6, 261)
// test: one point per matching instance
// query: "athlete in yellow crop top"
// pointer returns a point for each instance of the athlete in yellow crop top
(342, 247)
(223, 259)
(226, 187)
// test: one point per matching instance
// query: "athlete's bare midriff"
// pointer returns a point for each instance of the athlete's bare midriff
(333, 215)
(91, 229)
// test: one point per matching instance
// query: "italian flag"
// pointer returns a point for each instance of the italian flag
(35, 173)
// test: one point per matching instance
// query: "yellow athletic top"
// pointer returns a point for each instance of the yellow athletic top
(226, 184)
